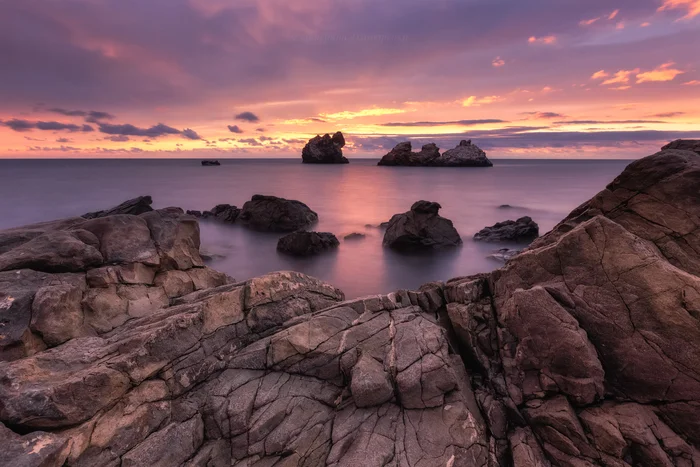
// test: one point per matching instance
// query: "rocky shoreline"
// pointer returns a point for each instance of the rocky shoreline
(120, 348)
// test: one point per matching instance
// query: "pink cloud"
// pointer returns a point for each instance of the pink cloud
(664, 72)
(692, 7)
(549, 40)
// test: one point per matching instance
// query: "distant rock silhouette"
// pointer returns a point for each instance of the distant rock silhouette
(307, 243)
(325, 149)
(465, 154)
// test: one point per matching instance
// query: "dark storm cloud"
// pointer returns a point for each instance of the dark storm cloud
(248, 117)
(190, 134)
(456, 122)
(127, 129)
(26, 125)
(235, 129)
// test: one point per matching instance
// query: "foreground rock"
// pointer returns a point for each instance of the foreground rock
(325, 149)
(521, 230)
(421, 228)
(685, 145)
(272, 214)
(307, 243)
(465, 154)
(584, 350)
(134, 207)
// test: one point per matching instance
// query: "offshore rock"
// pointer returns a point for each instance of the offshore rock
(421, 228)
(465, 154)
(325, 149)
(272, 214)
(307, 243)
(521, 230)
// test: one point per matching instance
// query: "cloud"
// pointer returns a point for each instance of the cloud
(190, 134)
(91, 116)
(694, 82)
(250, 142)
(621, 77)
(543, 115)
(498, 62)
(600, 74)
(661, 73)
(64, 140)
(248, 117)
(548, 40)
(118, 138)
(235, 129)
(613, 15)
(669, 114)
(473, 101)
(349, 115)
(588, 22)
(25, 125)
(692, 7)
(260, 130)
(131, 130)
(605, 122)
(454, 122)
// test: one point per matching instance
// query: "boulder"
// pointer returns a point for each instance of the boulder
(354, 236)
(134, 207)
(684, 144)
(222, 212)
(325, 149)
(307, 243)
(521, 230)
(465, 154)
(272, 214)
(58, 251)
(421, 228)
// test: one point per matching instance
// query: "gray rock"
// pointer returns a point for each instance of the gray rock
(58, 251)
(421, 228)
(505, 254)
(272, 214)
(465, 154)
(134, 207)
(521, 230)
(354, 236)
(222, 212)
(325, 149)
(307, 243)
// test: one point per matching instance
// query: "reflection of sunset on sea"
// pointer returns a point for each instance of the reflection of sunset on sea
(258, 78)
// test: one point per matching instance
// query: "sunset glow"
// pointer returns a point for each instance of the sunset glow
(187, 78)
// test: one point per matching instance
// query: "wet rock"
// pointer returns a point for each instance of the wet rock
(521, 230)
(504, 254)
(210, 163)
(354, 236)
(222, 212)
(134, 207)
(325, 149)
(307, 243)
(465, 154)
(421, 228)
(269, 213)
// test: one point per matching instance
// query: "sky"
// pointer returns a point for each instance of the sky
(258, 78)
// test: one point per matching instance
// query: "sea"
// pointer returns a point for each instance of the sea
(353, 198)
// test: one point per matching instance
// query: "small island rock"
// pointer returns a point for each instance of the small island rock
(273, 214)
(421, 228)
(307, 243)
(325, 149)
(465, 154)
(521, 230)
(134, 207)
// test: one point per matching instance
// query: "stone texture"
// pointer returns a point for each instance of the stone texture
(465, 154)
(325, 149)
(521, 230)
(421, 228)
(307, 243)
(225, 213)
(54, 252)
(269, 213)
(134, 207)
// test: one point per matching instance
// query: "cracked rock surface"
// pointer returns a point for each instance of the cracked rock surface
(584, 350)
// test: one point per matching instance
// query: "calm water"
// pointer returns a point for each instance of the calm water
(346, 198)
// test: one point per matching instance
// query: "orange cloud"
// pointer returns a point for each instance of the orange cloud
(542, 40)
(600, 74)
(691, 6)
(620, 25)
(645, 24)
(498, 62)
(662, 73)
(613, 15)
(694, 82)
(347, 115)
(621, 77)
(588, 22)
(621, 88)
(473, 101)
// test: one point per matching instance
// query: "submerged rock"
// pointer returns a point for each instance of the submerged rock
(421, 228)
(307, 243)
(504, 254)
(354, 236)
(134, 207)
(583, 350)
(272, 214)
(521, 230)
(210, 163)
(465, 154)
(325, 149)
(222, 212)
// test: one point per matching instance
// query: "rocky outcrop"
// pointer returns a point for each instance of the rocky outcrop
(684, 144)
(307, 243)
(272, 214)
(465, 154)
(521, 230)
(225, 213)
(325, 149)
(134, 207)
(584, 350)
(210, 163)
(421, 228)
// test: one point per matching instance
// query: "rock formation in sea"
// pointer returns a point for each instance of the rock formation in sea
(521, 230)
(225, 213)
(134, 206)
(584, 350)
(465, 154)
(325, 149)
(273, 214)
(421, 228)
(307, 243)
(210, 163)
